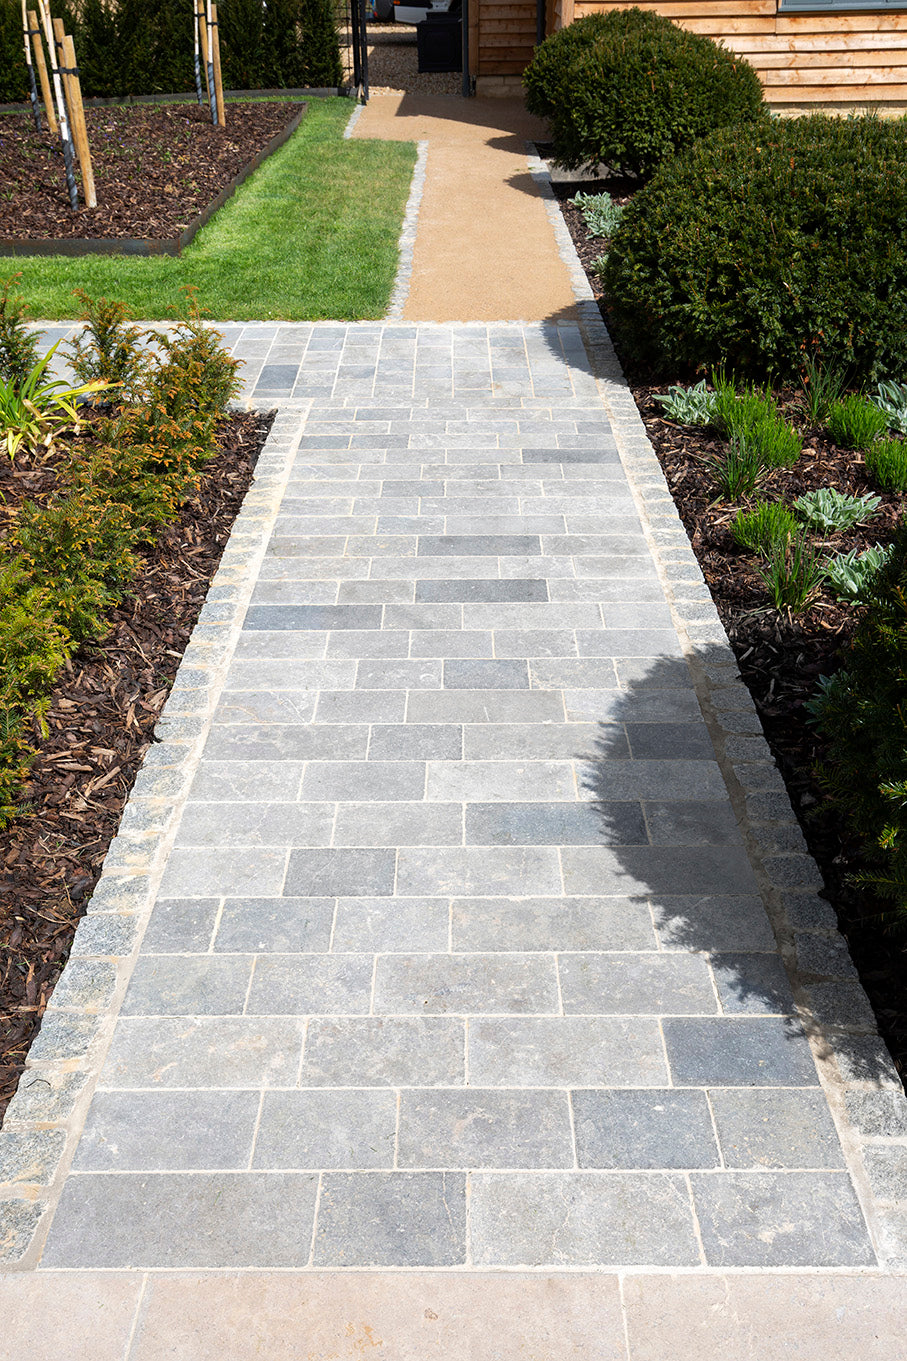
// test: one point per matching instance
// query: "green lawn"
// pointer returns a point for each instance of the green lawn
(312, 234)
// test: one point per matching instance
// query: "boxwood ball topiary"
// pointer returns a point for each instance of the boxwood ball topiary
(760, 247)
(629, 88)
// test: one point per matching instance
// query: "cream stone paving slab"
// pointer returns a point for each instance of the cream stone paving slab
(441, 1316)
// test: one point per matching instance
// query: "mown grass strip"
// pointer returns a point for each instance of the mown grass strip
(311, 235)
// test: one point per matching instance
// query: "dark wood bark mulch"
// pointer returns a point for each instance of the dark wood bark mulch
(155, 167)
(780, 658)
(104, 709)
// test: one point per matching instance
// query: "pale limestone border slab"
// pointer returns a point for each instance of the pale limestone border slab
(44, 1118)
(861, 1083)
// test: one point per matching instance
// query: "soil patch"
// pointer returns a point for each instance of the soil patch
(780, 658)
(156, 168)
(100, 723)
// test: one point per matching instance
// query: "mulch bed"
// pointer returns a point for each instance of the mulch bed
(780, 658)
(101, 720)
(156, 167)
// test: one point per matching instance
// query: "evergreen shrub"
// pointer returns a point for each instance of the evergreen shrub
(762, 246)
(629, 88)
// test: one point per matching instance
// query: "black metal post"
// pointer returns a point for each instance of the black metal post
(363, 33)
(466, 83)
(357, 51)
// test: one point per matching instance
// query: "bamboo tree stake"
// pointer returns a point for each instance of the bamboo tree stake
(61, 107)
(198, 69)
(209, 60)
(38, 49)
(218, 81)
(32, 87)
(80, 131)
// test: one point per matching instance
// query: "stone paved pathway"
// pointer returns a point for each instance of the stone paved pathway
(429, 1005)
(458, 958)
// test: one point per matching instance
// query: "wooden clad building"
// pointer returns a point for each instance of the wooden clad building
(808, 53)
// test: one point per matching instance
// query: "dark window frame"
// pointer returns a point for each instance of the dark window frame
(839, 6)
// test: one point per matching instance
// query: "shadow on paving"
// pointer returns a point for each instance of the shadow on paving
(694, 871)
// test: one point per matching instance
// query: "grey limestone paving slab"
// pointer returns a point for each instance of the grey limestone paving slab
(299, 985)
(736, 1052)
(399, 824)
(625, 983)
(644, 1129)
(473, 1128)
(188, 985)
(180, 924)
(391, 1219)
(780, 1219)
(391, 924)
(322, 1128)
(448, 870)
(582, 1219)
(437, 984)
(555, 824)
(183, 1220)
(551, 924)
(201, 1052)
(775, 1128)
(168, 1131)
(384, 1052)
(573, 1051)
(273, 925)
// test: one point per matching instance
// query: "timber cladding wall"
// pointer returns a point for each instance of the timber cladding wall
(833, 58)
(506, 36)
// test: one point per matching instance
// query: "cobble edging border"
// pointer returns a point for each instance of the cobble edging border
(860, 1081)
(407, 241)
(45, 1117)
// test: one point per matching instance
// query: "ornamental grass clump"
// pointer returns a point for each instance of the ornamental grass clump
(764, 243)
(755, 420)
(886, 460)
(792, 573)
(768, 523)
(629, 88)
(855, 423)
(737, 470)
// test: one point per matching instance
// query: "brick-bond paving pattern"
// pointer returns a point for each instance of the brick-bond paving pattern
(458, 958)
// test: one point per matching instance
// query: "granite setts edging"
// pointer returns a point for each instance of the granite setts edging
(44, 1118)
(407, 240)
(860, 1081)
